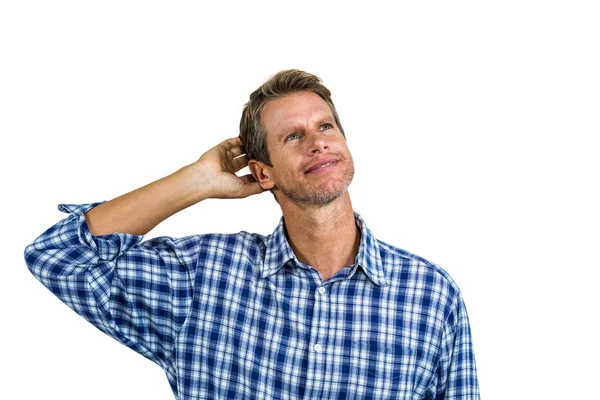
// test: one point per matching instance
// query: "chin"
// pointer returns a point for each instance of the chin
(317, 192)
(319, 196)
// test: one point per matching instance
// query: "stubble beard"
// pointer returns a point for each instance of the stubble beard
(324, 194)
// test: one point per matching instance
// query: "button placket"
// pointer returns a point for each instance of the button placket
(317, 357)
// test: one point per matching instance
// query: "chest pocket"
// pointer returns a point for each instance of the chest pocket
(383, 369)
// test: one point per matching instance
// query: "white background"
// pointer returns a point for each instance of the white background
(473, 127)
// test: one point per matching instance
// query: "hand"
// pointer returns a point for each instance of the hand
(216, 171)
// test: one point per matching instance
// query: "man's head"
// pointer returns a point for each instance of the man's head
(294, 141)
(281, 84)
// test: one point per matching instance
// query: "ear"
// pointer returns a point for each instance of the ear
(261, 173)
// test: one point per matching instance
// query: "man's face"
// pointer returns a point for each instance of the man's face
(310, 158)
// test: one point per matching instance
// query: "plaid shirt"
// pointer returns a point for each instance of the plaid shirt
(237, 316)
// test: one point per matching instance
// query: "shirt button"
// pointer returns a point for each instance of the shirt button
(318, 347)
(321, 290)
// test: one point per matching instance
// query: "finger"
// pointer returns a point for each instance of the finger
(230, 143)
(248, 178)
(240, 162)
(235, 152)
(250, 185)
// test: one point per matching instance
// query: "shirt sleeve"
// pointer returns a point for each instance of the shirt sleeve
(138, 293)
(457, 373)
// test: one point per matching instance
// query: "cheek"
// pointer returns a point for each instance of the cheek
(340, 147)
(286, 166)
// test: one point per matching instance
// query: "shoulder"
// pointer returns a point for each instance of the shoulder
(210, 243)
(406, 269)
(213, 258)
(395, 256)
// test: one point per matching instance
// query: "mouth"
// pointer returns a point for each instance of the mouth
(322, 166)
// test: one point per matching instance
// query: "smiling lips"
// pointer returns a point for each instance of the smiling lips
(324, 164)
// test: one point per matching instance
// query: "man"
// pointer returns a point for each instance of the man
(320, 309)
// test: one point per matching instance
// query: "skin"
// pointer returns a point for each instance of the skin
(301, 131)
(316, 206)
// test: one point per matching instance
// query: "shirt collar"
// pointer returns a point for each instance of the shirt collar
(369, 255)
(278, 253)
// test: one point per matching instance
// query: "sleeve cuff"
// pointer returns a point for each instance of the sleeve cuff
(77, 208)
(107, 247)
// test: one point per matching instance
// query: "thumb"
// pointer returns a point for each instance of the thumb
(251, 186)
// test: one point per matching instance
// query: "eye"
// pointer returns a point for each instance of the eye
(326, 126)
(292, 137)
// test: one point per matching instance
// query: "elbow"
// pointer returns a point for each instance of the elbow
(32, 258)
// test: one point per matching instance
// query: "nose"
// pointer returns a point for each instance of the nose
(317, 143)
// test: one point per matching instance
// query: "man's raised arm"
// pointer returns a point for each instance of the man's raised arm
(211, 176)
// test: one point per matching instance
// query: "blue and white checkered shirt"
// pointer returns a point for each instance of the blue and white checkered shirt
(237, 316)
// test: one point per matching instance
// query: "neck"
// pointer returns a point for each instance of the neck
(324, 237)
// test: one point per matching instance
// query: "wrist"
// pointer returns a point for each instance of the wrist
(194, 183)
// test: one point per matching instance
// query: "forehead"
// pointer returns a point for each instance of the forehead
(292, 110)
